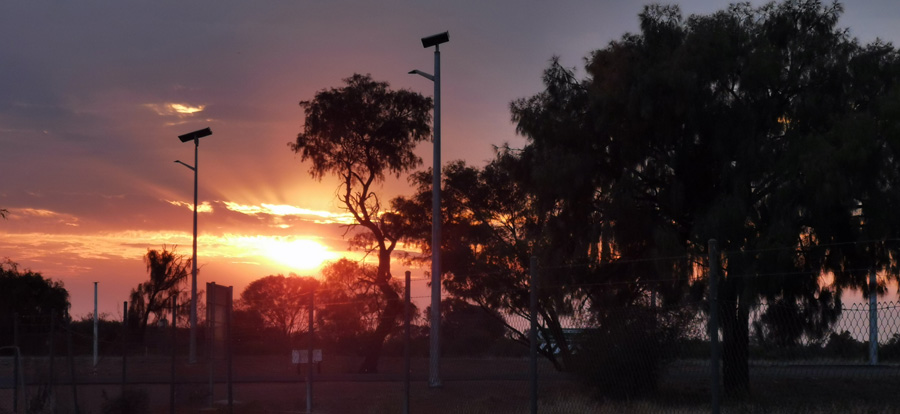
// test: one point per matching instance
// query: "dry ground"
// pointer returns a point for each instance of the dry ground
(273, 385)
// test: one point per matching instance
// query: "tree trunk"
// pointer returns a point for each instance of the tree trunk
(735, 317)
(388, 319)
(386, 324)
(565, 361)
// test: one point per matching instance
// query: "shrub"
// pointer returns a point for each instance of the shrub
(844, 346)
(624, 358)
(129, 401)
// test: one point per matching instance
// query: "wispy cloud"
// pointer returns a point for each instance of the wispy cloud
(204, 207)
(175, 109)
(42, 214)
(282, 210)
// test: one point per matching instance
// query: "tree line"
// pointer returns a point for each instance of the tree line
(270, 315)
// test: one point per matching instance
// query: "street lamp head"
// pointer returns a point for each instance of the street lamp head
(423, 74)
(200, 133)
(435, 40)
(186, 165)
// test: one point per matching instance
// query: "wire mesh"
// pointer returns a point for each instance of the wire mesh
(600, 351)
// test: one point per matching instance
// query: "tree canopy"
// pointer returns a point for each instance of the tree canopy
(281, 302)
(351, 304)
(168, 271)
(29, 294)
(767, 128)
(359, 133)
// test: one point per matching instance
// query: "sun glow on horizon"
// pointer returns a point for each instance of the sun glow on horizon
(299, 254)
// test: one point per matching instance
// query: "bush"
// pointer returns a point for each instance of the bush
(844, 346)
(129, 402)
(891, 350)
(625, 357)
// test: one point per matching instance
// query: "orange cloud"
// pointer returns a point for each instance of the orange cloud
(204, 207)
(320, 217)
(42, 214)
(175, 109)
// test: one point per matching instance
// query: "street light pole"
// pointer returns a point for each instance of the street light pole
(434, 377)
(194, 136)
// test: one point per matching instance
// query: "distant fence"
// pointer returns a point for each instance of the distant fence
(644, 357)
(787, 356)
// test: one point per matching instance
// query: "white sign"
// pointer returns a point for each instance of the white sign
(298, 356)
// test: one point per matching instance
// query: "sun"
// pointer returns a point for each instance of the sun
(301, 254)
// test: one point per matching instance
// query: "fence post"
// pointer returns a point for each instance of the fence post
(309, 354)
(211, 292)
(172, 378)
(72, 363)
(532, 332)
(873, 318)
(229, 348)
(16, 358)
(406, 337)
(96, 329)
(124, 342)
(713, 327)
(51, 379)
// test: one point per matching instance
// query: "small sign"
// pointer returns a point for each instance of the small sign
(298, 356)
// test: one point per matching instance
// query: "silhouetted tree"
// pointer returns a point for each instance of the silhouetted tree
(28, 294)
(282, 302)
(359, 133)
(251, 335)
(168, 271)
(493, 223)
(766, 128)
(469, 329)
(350, 303)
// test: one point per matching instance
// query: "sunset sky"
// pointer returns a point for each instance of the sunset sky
(93, 95)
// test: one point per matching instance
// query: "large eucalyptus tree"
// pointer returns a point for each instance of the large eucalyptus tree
(769, 129)
(360, 133)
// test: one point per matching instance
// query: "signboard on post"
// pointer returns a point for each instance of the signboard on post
(218, 319)
(298, 356)
(218, 305)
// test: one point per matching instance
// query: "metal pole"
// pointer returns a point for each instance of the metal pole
(192, 357)
(713, 327)
(211, 335)
(406, 338)
(96, 327)
(16, 357)
(228, 348)
(124, 342)
(873, 318)
(172, 378)
(434, 379)
(52, 379)
(532, 333)
(309, 354)
(72, 365)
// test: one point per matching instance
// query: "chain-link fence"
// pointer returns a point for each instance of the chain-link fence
(599, 347)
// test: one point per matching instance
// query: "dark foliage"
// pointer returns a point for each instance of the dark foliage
(624, 356)
(130, 401)
(33, 299)
(360, 133)
(168, 272)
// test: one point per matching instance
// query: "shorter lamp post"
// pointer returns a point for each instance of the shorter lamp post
(194, 136)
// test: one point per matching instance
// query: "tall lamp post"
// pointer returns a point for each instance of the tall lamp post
(194, 136)
(434, 377)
